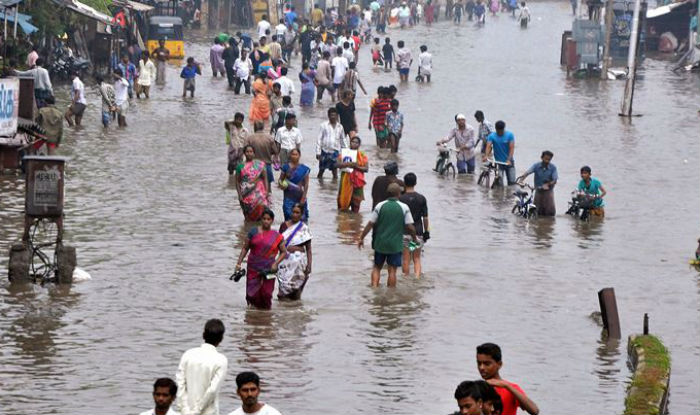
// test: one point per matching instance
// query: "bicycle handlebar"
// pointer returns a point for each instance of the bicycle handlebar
(493, 161)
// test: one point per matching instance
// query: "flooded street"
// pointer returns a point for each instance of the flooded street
(156, 222)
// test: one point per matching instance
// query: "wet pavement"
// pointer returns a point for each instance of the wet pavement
(156, 222)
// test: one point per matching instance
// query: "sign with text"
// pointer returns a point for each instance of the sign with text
(46, 192)
(9, 106)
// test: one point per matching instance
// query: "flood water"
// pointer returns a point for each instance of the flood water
(156, 222)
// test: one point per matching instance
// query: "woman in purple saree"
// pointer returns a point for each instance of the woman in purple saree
(267, 250)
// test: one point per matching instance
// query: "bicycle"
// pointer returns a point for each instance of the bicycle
(581, 204)
(444, 165)
(43, 233)
(491, 167)
(524, 206)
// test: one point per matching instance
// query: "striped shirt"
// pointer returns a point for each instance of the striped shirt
(379, 109)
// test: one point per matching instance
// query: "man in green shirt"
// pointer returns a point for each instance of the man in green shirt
(389, 219)
(50, 119)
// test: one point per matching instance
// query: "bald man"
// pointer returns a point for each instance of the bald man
(389, 220)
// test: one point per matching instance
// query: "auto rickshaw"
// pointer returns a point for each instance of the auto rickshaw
(170, 29)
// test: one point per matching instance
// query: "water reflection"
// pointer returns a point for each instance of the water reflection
(607, 367)
(37, 316)
(349, 227)
(394, 317)
(542, 231)
(278, 342)
(588, 233)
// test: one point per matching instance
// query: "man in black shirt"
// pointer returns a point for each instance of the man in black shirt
(419, 210)
(230, 55)
(381, 184)
(346, 112)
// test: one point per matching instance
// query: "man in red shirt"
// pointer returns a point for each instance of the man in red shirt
(488, 361)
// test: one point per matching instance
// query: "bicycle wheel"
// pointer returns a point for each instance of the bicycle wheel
(515, 209)
(531, 213)
(585, 215)
(450, 170)
(439, 165)
(484, 178)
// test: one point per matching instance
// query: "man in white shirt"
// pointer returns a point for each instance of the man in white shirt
(403, 61)
(42, 81)
(288, 137)
(78, 102)
(263, 26)
(121, 96)
(286, 84)
(248, 384)
(281, 29)
(242, 68)
(425, 64)
(331, 139)
(340, 65)
(147, 74)
(164, 392)
(201, 372)
(348, 53)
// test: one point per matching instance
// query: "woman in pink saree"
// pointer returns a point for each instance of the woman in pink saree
(267, 250)
(252, 186)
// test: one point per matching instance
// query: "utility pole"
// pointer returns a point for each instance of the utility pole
(608, 29)
(626, 110)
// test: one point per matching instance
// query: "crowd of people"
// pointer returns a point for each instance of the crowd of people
(269, 159)
(202, 370)
(329, 44)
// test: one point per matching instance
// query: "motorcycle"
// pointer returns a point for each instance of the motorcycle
(65, 64)
(581, 204)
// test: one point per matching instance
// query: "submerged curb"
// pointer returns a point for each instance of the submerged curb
(651, 363)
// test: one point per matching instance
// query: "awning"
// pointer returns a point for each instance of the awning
(85, 10)
(133, 5)
(22, 21)
(660, 11)
(9, 3)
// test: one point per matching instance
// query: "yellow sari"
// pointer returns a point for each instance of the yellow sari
(351, 192)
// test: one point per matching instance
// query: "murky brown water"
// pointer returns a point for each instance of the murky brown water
(156, 223)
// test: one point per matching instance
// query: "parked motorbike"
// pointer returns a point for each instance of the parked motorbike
(65, 63)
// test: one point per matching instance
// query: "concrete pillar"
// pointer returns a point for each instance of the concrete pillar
(204, 16)
(66, 257)
(18, 268)
(608, 309)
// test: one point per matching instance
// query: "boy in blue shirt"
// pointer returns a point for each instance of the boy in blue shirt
(592, 186)
(189, 72)
(503, 144)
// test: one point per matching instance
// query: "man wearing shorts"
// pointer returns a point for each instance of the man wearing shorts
(418, 205)
(377, 116)
(50, 119)
(340, 65)
(389, 220)
(403, 61)
(78, 102)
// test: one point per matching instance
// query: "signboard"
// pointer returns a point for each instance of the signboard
(46, 192)
(588, 36)
(45, 186)
(348, 156)
(9, 106)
